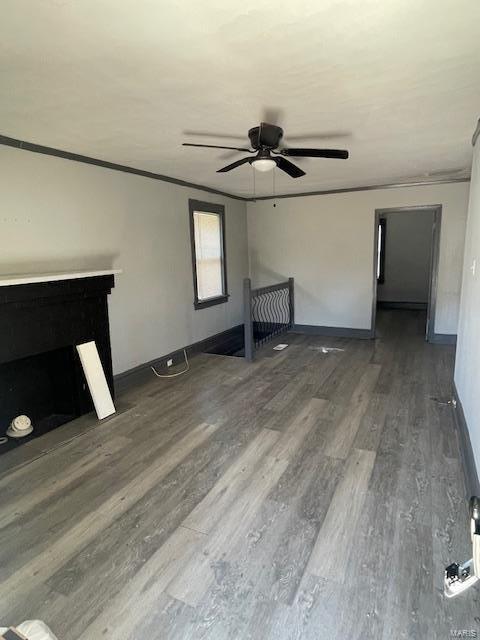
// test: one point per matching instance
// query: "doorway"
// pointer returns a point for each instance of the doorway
(405, 265)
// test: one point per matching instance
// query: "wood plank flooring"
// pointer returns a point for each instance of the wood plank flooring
(307, 495)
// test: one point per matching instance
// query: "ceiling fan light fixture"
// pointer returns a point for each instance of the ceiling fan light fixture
(264, 164)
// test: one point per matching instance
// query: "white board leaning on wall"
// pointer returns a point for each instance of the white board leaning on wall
(96, 380)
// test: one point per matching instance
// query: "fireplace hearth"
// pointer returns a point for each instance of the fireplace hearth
(40, 325)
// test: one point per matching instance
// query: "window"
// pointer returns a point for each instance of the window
(382, 236)
(207, 233)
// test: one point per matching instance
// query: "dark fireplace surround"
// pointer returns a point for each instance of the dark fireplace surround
(40, 371)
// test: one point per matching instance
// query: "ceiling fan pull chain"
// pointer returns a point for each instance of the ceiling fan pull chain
(273, 185)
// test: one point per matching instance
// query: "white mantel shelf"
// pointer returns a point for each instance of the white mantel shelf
(9, 280)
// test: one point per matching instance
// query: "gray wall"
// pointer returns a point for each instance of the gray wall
(407, 256)
(326, 243)
(58, 215)
(467, 365)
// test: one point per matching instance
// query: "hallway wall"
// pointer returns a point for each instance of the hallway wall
(407, 257)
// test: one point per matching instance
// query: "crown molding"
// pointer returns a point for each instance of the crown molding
(75, 157)
(372, 187)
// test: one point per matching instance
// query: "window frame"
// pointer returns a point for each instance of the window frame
(218, 209)
(382, 224)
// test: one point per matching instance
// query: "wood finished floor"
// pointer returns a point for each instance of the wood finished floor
(306, 495)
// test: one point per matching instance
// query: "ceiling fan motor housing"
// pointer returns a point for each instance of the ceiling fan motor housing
(266, 136)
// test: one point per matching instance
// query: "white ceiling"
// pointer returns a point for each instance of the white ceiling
(397, 82)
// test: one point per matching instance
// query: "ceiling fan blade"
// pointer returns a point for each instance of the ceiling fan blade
(287, 166)
(234, 165)
(326, 135)
(315, 153)
(214, 146)
(268, 135)
(212, 134)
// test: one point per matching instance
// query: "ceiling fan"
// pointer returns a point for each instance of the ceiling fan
(265, 140)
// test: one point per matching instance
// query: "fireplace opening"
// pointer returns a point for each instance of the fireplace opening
(47, 387)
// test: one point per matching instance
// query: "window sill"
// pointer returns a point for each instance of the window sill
(211, 302)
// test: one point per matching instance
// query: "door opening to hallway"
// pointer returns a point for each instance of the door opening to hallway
(406, 262)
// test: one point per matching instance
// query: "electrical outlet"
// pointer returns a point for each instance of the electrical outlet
(169, 362)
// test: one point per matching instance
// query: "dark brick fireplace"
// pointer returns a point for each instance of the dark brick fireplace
(40, 373)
